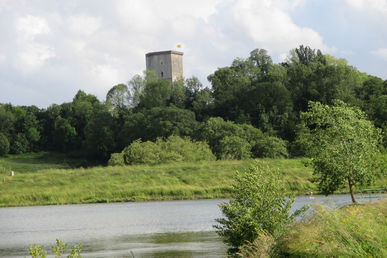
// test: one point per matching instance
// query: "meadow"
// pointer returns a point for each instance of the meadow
(52, 178)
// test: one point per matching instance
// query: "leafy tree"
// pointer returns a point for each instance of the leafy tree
(178, 94)
(64, 134)
(260, 205)
(99, 133)
(157, 122)
(344, 146)
(155, 94)
(19, 144)
(4, 145)
(216, 129)
(119, 97)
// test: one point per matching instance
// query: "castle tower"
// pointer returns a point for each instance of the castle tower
(168, 65)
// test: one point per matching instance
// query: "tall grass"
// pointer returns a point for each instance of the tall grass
(352, 231)
(139, 182)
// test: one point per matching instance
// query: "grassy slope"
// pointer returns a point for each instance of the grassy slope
(353, 231)
(105, 184)
(49, 178)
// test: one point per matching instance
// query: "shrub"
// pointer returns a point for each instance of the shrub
(142, 153)
(4, 145)
(260, 206)
(173, 149)
(59, 250)
(176, 148)
(116, 159)
(270, 147)
(234, 147)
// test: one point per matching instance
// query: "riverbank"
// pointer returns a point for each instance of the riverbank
(352, 231)
(100, 184)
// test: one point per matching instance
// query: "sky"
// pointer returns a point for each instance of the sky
(50, 49)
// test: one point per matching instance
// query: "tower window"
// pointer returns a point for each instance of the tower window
(162, 74)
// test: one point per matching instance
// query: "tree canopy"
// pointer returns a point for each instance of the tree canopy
(344, 145)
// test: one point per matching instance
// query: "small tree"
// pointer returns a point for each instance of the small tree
(344, 146)
(261, 206)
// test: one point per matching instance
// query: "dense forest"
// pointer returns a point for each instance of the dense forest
(252, 109)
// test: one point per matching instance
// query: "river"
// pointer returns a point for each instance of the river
(150, 229)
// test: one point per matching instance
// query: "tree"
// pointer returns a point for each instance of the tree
(119, 97)
(260, 206)
(4, 145)
(344, 146)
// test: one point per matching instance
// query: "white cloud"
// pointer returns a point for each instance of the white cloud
(374, 6)
(31, 54)
(271, 27)
(31, 26)
(381, 53)
(84, 24)
(34, 56)
(3, 58)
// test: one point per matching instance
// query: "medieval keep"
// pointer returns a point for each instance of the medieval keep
(168, 65)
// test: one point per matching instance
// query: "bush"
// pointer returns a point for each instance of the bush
(176, 148)
(173, 149)
(116, 159)
(270, 147)
(142, 153)
(234, 147)
(260, 206)
(4, 145)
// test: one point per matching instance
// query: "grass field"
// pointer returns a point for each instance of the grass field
(49, 178)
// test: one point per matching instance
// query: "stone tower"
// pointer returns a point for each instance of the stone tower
(168, 65)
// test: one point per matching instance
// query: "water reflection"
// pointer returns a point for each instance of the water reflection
(187, 244)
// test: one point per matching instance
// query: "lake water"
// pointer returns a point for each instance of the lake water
(142, 229)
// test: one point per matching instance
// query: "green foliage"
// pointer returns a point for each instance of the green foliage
(234, 147)
(19, 144)
(260, 205)
(353, 231)
(173, 149)
(270, 147)
(99, 133)
(344, 146)
(155, 94)
(4, 145)
(157, 122)
(116, 159)
(142, 153)
(119, 97)
(58, 250)
(37, 251)
(216, 130)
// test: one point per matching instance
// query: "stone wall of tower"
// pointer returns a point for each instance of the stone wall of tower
(168, 65)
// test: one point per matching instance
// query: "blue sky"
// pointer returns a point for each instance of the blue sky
(51, 49)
